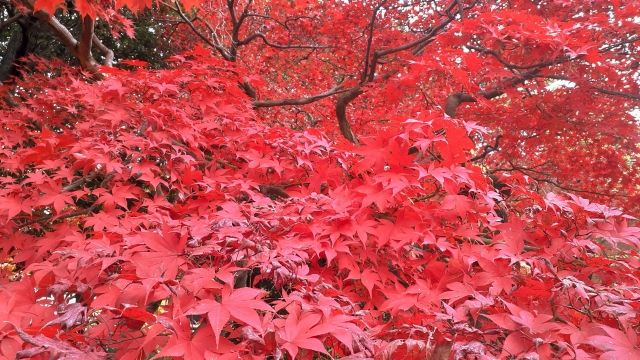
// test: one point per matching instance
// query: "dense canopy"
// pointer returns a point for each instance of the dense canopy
(386, 179)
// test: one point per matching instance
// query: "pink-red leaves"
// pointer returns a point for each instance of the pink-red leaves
(70, 316)
(239, 304)
(13, 205)
(369, 278)
(139, 213)
(300, 331)
(56, 349)
(616, 344)
(118, 196)
(48, 6)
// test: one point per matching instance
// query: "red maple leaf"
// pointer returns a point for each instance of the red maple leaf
(240, 304)
(300, 331)
(616, 344)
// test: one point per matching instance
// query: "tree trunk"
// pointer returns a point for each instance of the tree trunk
(16, 48)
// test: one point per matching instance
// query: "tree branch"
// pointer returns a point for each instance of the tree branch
(47, 219)
(285, 23)
(221, 50)
(341, 112)
(84, 45)
(232, 13)
(80, 182)
(454, 100)
(617, 93)
(299, 101)
(371, 67)
(418, 43)
(249, 90)
(367, 54)
(596, 88)
(80, 49)
(261, 36)
(630, 40)
(10, 21)
(106, 52)
(487, 150)
(510, 65)
(237, 23)
(525, 171)
(59, 30)
(245, 13)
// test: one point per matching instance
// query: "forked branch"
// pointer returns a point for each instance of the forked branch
(370, 66)
(487, 150)
(456, 99)
(80, 49)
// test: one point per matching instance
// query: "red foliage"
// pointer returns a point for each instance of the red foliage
(156, 213)
(135, 204)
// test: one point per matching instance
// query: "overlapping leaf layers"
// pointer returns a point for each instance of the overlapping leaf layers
(554, 81)
(149, 214)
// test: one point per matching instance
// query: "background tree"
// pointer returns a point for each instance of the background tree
(429, 54)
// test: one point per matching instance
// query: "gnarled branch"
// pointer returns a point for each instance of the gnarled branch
(630, 40)
(59, 30)
(454, 100)
(370, 67)
(261, 36)
(80, 49)
(341, 112)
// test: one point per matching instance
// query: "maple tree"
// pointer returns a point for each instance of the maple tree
(372, 179)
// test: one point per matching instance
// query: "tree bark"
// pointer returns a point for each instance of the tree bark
(341, 112)
(16, 45)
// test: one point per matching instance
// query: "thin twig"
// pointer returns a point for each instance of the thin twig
(617, 93)
(223, 52)
(487, 150)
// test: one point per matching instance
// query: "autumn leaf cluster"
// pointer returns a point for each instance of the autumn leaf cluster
(321, 180)
(151, 214)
